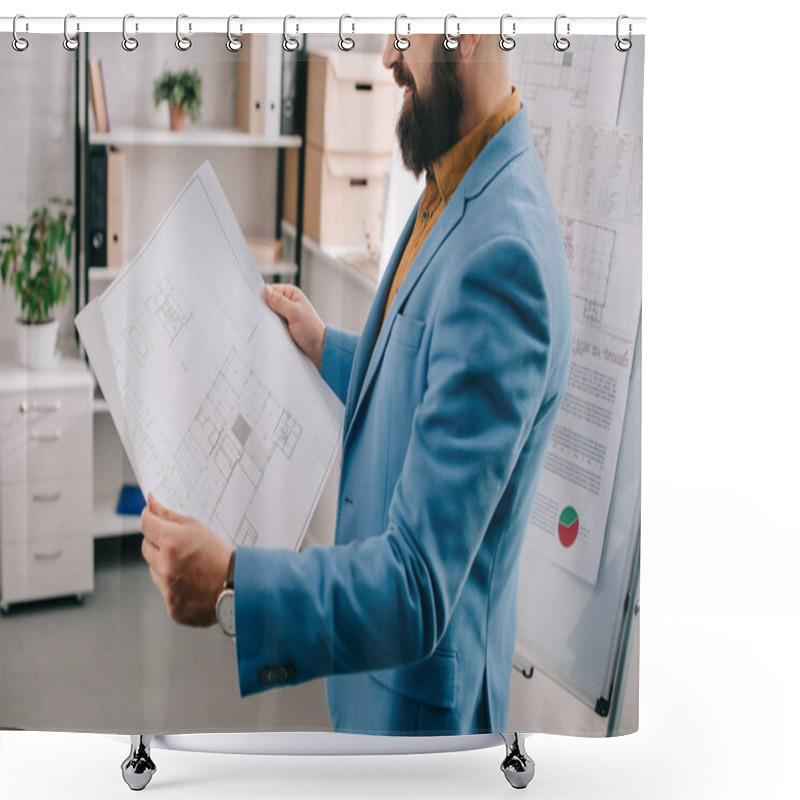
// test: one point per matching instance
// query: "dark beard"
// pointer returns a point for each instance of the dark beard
(428, 125)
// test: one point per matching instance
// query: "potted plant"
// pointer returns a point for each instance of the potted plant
(183, 92)
(32, 260)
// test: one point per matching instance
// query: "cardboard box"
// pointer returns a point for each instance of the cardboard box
(266, 251)
(351, 104)
(343, 197)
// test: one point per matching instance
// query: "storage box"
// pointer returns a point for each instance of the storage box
(343, 197)
(351, 102)
(266, 251)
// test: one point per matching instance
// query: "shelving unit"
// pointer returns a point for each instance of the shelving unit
(176, 155)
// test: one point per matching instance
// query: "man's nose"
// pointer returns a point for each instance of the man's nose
(391, 55)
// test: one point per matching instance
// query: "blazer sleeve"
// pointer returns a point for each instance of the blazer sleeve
(337, 359)
(386, 601)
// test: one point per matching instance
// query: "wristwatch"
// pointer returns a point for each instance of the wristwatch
(226, 610)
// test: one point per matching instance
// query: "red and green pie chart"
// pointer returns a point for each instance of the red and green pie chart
(568, 524)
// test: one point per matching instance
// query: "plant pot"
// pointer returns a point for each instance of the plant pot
(36, 344)
(177, 118)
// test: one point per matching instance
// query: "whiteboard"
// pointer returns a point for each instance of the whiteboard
(570, 628)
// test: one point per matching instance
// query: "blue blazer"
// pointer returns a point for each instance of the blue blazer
(449, 405)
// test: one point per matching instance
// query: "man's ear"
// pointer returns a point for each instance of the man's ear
(467, 43)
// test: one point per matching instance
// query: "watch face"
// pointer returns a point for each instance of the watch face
(226, 612)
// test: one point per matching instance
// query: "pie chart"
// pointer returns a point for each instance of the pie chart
(568, 524)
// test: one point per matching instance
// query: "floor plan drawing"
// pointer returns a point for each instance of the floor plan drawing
(170, 313)
(223, 419)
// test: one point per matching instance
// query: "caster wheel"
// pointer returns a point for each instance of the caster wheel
(79, 598)
(138, 768)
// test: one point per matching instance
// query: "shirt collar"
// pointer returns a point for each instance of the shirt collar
(450, 168)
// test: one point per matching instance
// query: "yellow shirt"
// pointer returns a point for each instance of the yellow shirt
(443, 179)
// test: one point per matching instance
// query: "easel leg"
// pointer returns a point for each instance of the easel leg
(518, 766)
(138, 768)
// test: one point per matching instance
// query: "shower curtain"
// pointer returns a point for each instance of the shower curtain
(366, 317)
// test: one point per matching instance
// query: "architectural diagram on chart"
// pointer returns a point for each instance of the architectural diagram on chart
(593, 169)
(221, 416)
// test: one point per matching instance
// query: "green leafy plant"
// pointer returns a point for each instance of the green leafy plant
(181, 89)
(32, 258)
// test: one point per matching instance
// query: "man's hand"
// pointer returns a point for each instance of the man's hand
(188, 563)
(305, 326)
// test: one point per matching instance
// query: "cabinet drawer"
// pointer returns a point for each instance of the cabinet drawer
(45, 509)
(44, 405)
(34, 450)
(47, 568)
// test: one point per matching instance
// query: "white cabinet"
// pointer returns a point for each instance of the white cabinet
(46, 544)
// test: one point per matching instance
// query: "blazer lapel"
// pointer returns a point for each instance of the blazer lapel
(372, 325)
(370, 359)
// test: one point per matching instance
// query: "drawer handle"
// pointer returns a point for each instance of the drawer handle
(46, 437)
(47, 556)
(47, 498)
(47, 408)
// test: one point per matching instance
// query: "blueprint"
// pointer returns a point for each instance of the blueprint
(221, 416)
(591, 153)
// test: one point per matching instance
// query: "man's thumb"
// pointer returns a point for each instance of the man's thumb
(275, 300)
(162, 511)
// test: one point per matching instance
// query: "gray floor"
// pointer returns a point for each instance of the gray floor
(118, 664)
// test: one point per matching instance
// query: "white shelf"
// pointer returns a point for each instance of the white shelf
(106, 521)
(284, 269)
(192, 137)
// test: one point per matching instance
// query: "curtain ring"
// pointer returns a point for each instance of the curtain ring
(290, 44)
(233, 44)
(451, 42)
(129, 43)
(345, 42)
(183, 43)
(18, 43)
(70, 42)
(623, 44)
(400, 42)
(507, 42)
(561, 43)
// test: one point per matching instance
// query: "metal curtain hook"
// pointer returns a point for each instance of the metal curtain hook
(18, 43)
(290, 44)
(70, 42)
(507, 42)
(183, 43)
(561, 43)
(129, 43)
(345, 42)
(400, 42)
(233, 44)
(451, 42)
(623, 43)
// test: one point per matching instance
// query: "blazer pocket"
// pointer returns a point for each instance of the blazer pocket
(407, 331)
(432, 681)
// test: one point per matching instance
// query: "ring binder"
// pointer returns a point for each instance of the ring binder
(183, 43)
(233, 44)
(346, 43)
(400, 42)
(129, 43)
(70, 42)
(561, 43)
(451, 42)
(18, 43)
(507, 42)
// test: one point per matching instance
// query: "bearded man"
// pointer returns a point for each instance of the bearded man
(450, 393)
